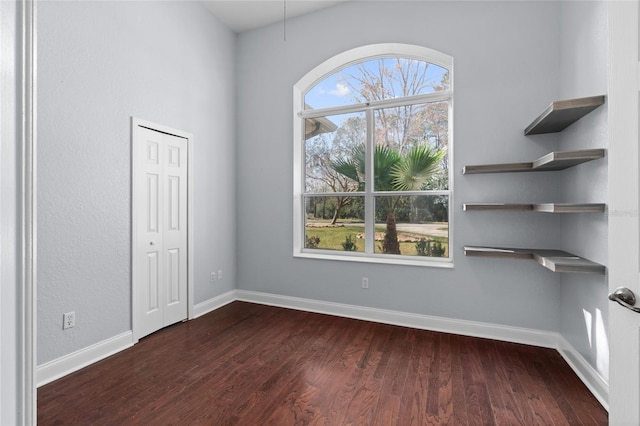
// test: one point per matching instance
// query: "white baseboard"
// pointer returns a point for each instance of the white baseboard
(213, 304)
(67, 364)
(598, 386)
(594, 382)
(60, 367)
(424, 322)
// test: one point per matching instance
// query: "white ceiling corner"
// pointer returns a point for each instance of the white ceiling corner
(245, 15)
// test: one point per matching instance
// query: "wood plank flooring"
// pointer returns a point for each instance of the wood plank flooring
(248, 364)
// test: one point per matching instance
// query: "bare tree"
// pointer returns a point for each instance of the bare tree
(400, 127)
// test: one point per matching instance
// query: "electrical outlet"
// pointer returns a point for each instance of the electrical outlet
(214, 277)
(219, 274)
(365, 282)
(68, 320)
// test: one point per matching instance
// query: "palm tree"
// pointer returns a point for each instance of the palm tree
(392, 171)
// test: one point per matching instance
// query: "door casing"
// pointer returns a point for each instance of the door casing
(624, 221)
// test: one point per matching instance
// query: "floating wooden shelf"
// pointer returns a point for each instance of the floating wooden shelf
(561, 114)
(558, 116)
(558, 160)
(468, 207)
(544, 208)
(555, 260)
(569, 208)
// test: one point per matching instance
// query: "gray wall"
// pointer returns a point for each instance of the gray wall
(99, 64)
(507, 69)
(583, 298)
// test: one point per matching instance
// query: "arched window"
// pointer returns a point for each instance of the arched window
(372, 156)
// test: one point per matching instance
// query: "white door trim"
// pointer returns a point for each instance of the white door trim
(624, 338)
(135, 122)
(24, 63)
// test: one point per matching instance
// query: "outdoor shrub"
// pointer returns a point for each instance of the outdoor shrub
(429, 248)
(437, 250)
(349, 243)
(312, 242)
(422, 247)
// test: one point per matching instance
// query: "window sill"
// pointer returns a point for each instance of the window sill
(379, 259)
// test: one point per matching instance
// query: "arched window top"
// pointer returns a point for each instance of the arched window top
(375, 80)
(373, 73)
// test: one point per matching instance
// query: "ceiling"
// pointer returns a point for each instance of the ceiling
(245, 15)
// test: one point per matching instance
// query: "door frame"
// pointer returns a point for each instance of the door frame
(135, 205)
(18, 215)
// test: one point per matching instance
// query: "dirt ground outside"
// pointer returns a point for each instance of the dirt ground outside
(438, 229)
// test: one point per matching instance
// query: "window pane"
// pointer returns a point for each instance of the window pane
(377, 79)
(334, 153)
(412, 225)
(334, 223)
(411, 147)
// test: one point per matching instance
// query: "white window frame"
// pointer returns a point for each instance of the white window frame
(330, 66)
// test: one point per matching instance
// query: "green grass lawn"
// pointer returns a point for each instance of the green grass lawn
(331, 238)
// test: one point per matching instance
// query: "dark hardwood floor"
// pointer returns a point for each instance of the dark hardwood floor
(249, 364)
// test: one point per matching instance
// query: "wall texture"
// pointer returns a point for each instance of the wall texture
(506, 68)
(99, 64)
(583, 298)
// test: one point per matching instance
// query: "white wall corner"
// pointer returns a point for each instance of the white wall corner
(211, 305)
(67, 364)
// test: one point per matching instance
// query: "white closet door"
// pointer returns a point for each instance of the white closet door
(161, 226)
(175, 229)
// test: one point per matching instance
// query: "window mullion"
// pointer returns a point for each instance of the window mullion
(441, 96)
(369, 202)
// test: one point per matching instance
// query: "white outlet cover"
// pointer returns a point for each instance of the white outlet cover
(68, 320)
